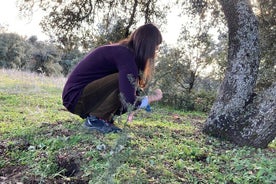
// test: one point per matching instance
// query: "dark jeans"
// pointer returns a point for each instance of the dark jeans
(100, 98)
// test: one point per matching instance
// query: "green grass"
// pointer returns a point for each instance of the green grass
(40, 142)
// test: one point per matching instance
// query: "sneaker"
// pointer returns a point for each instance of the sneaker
(94, 123)
(115, 129)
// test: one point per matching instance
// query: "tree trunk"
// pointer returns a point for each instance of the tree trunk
(238, 114)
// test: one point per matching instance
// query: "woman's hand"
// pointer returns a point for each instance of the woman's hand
(156, 96)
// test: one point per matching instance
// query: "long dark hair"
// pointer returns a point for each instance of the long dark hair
(143, 42)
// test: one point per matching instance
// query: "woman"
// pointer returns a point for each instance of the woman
(106, 81)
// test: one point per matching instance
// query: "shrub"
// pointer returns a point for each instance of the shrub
(194, 101)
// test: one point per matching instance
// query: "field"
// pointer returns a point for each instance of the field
(40, 142)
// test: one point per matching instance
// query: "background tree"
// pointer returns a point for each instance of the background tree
(240, 115)
(198, 48)
(13, 51)
(44, 58)
(266, 12)
(173, 76)
(32, 55)
(203, 39)
(69, 60)
(76, 22)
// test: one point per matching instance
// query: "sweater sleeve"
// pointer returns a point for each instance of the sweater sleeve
(128, 78)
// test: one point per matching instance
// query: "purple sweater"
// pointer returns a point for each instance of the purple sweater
(99, 63)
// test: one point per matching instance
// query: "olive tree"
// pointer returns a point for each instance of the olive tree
(266, 13)
(13, 51)
(239, 114)
(80, 22)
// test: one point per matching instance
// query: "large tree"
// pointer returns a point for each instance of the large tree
(239, 114)
(75, 23)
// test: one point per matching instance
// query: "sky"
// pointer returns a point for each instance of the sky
(9, 17)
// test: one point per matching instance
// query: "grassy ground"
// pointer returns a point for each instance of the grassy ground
(40, 142)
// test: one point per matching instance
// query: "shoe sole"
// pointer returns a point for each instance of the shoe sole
(100, 130)
(95, 129)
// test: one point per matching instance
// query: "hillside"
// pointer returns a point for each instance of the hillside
(40, 142)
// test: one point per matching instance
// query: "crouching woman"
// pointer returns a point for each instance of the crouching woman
(106, 82)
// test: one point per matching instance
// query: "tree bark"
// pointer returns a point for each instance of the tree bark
(238, 114)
